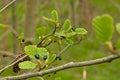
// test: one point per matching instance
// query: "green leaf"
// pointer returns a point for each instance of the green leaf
(81, 31)
(41, 31)
(103, 27)
(49, 20)
(3, 26)
(42, 52)
(55, 15)
(27, 65)
(52, 58)
(21, 37)
(66, 26)
(70, 34)
(32, 50)
(118, 27)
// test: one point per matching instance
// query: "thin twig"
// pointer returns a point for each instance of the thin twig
(16, 59)
(5, 34)
(12, 64)
(64, 49)
(51, 34)
(1, 10)
(14, 32)
(69, 46)
(63, 67)
(8, 31)
(48, 43)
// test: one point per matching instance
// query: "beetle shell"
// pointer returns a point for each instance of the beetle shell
(58, 57)
(45, 57)
(37, 56)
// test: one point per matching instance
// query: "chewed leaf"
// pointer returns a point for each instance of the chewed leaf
(27, 65)
(43, 52)
(67, 25)
(81, 31)
(31, 50)
(118, 27)
(103, 27)
(55, 15)
(3, 26)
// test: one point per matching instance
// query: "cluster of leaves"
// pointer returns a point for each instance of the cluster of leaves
(102, 26)
(65, 31)
(40, 54)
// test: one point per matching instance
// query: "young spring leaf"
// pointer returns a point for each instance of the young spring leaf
(66, 26)
(54, 15)
(49, 20)
(27, 65)
(3, 26)
(118, 27)
(81, 31)
(103, 27)
(32, 50)
(66, 34)
(43, 52)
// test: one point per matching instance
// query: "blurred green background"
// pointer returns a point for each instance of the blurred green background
(81, 13)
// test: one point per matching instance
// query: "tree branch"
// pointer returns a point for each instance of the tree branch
(51, 34)
(4, 35)
(12, 63)
(1, 10)
(62, 67)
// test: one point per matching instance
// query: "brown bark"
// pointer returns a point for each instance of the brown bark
(31, 8)
(14, 25)
(5, 21)
(72, 11)
(86, 13)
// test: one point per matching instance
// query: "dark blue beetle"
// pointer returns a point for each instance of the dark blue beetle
(45, 57)
(37, 56)
(58, 57)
